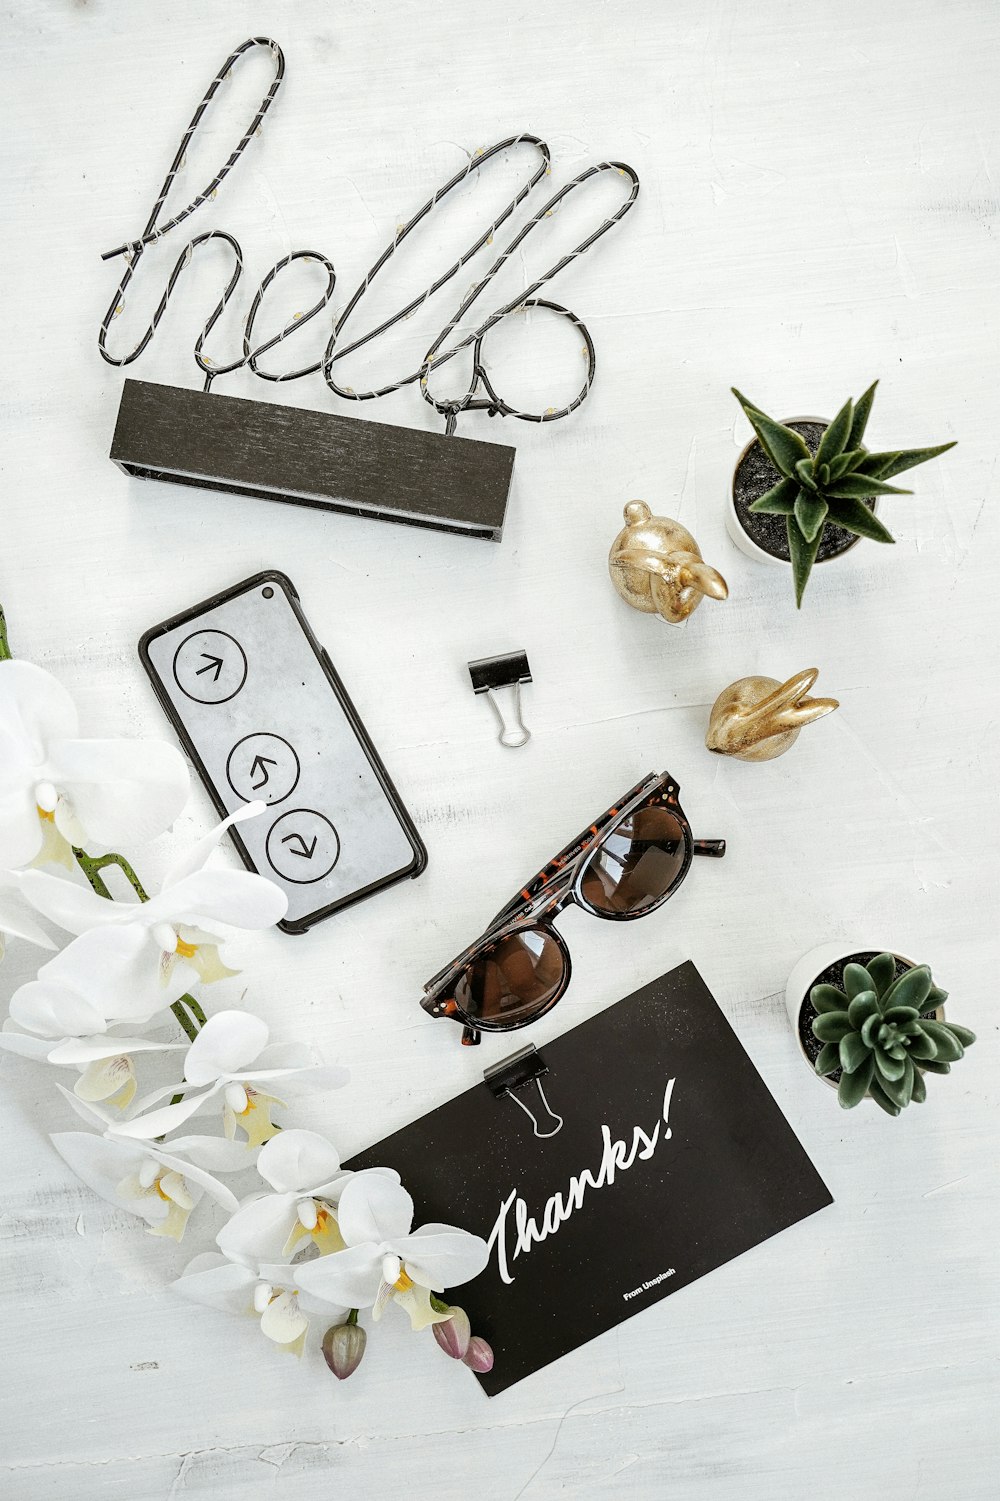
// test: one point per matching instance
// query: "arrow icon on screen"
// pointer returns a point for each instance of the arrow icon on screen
(210, 662)
(260, 764)
(306, 851)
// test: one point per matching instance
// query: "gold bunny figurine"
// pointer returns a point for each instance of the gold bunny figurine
(656, 566)
(756, 719)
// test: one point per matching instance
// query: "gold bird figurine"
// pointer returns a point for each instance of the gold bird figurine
(757, 719)
(656, 566)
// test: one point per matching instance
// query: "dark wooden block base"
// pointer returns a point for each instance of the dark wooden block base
(313, 459)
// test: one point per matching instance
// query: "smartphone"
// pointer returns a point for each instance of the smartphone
(263, 714)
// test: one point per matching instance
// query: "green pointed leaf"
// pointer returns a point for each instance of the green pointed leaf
(779, 500)
(881, 969)
(845, 462)
(899, 1090)
(831, 1026)
(828, 1058)
(910, 1029)
(936, 998)
(783, 446)
(803, 556)
(853, 1052)
(862, 487)
(911, 989)
(855, 517)
(862, 410)
(885, 465)
(889, 1068)
(923, 1046)
(810, 514)
(857, 980)
(822, 473)
(878, 1094)
(949, 1049)
(962, 1034)
(919, 1088)
(854, 1086)
(935, 1066)
(828, 998)
(862, 1007)
(835, 438)
(804, 474)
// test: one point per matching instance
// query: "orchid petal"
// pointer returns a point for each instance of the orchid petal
(158, 1122)
(258, 1230)
(440, 1256)
(74, 907)
(416, 1301)
(112, 1079)
(373, 1209)
(233, 898)
(34, 709)
(21, 834)
(120, 790)
(55, 1010)
(193, 1174)
(215, 1282)
(296, 1161)
(121, 967)
(76, 1051)
(227, 1042)
(212, 1152)
(24, 1045)
(196, 856)
(17, 920)
(100, 1163)
(350, 1279)
(283, 1320)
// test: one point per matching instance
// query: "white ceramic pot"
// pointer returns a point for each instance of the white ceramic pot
(743, 540)
(808, 970)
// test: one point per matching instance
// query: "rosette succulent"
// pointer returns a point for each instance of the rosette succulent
(831, 485)
(877, 1032)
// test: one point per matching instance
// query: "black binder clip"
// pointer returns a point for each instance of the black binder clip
(509, 670)
(522, 1068)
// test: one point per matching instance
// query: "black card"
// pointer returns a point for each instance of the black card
(673, 1158)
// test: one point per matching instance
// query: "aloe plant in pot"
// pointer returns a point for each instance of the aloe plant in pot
(806, 490)
(873, 1025)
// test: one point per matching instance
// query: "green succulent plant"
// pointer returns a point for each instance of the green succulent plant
(875, 1031)
(833, 484)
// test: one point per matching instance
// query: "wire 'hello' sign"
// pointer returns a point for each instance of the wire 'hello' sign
(316, 458)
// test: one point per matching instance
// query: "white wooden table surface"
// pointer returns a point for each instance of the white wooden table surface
(819, 207)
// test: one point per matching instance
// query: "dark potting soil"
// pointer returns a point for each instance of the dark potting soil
(755, 475)
(834, 975)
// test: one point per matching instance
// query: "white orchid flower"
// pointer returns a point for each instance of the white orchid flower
(229, 1060)
(385, 1260)
(134, 958)
(261, 1291)
(17, 919)
(61, 791)
(104, 1063)
(160, 1184)
(305, 1173)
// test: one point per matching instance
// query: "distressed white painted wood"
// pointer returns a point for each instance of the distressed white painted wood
(819, 207)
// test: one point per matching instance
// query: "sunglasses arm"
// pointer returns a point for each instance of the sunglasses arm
(714, 848)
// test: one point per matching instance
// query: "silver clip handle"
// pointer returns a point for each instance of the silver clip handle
(515, 734)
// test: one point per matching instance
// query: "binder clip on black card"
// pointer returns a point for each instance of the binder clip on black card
(521, 1069)
(318, 459)
(489, 674)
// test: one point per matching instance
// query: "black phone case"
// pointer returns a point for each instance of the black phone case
(284, 583)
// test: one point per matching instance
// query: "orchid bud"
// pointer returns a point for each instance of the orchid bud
(343, 1347)
(478, 1357)
(454, 1333)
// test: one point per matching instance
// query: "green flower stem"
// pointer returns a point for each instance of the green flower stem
(352, 1317)
(91, 867)
(5, 651)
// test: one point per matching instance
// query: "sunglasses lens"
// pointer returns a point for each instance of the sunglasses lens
(512, 980)
(637, 865)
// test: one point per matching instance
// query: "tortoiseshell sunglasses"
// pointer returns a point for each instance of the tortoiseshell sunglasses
(629, 862)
